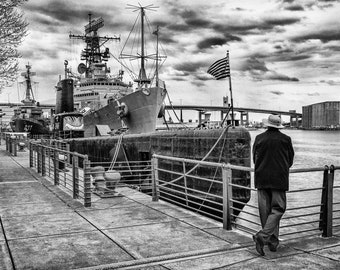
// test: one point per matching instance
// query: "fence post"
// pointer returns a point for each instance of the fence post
(10, 144)
(185, 184)
(227, 195)
(14, 146)
(75, 176)
(30, 146)
(87, 182)
(68, 153)
(39, 158)
(154, 175)
(7, 143)
(43, 162)
(328, 216)
(49, 160)
(55, 165)
(323, 198)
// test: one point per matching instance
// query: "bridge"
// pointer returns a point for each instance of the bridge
(244, 112)
(11, 104)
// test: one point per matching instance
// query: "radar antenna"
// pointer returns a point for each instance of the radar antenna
(92, 53)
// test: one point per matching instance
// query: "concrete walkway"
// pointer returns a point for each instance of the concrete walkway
(43, 228)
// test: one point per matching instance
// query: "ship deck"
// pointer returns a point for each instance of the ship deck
(43, 228)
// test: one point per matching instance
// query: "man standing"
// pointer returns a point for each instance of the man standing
(273, 155)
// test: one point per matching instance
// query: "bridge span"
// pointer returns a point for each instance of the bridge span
(244, 112)
(202, 109)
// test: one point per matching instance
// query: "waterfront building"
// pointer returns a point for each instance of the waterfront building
(323, 115)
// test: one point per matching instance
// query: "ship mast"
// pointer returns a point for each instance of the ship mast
(29, 97)
(156, 33)
(142, 79)
(92, 54)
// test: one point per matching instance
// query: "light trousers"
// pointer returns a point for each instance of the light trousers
(272, 205)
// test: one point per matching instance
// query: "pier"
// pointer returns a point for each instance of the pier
(44, 227)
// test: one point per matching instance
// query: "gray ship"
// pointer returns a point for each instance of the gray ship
(107, 103)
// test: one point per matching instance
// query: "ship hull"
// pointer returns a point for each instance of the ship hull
(141, 109)
(34, 127)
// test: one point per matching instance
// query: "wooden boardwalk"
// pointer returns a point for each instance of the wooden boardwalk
(43, 228)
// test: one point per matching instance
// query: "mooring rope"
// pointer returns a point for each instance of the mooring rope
(115, 155)
(211, 184)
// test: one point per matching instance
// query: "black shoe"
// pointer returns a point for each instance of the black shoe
(272, 247)
(259, 244)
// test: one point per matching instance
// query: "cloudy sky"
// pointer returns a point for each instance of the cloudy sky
(284, 54)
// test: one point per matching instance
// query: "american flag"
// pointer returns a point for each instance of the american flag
(220, 69)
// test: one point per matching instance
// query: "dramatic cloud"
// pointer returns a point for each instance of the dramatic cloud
(282, 44)
(313, 94)
(258, 70)
(216, 41)
(325, 35)
(187, 67)
(277, 93)
(295, 7)
(272, 75)
(330, 82)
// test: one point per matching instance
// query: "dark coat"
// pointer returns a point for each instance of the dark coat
(273, 155)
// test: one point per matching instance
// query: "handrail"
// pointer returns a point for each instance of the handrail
(63, 168)
(59, 150)
(179, 185)
(73, 172)
(165, 180)
(205, 163)
(234, 167)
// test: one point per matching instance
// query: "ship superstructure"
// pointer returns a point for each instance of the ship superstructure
(109, 104)
(95, 86)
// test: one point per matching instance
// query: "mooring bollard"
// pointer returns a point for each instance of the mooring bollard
(21, 147)
(112, 178)
(98, 177)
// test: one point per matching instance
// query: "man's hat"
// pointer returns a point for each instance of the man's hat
(273, 121)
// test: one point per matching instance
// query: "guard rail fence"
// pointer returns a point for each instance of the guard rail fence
(314, 206)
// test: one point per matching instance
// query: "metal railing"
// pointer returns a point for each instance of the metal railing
(15, 141)
(184, 182)
(313, 207)
(70, 171)
(77, 175)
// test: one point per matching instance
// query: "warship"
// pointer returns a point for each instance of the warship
(109, 105)
(29, 116)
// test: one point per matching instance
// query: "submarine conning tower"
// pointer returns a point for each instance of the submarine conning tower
(64, 99)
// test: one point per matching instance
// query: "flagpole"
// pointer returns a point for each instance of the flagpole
(231, 94)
